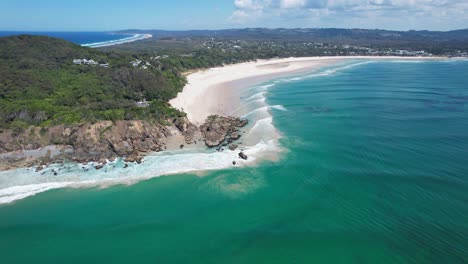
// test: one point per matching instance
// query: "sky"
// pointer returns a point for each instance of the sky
(108, 15)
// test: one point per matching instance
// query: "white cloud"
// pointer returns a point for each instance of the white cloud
(292, 3)
(247, 4)
(239, 16)
(375, 10)
(243, 3)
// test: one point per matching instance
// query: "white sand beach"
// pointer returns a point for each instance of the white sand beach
(216, 90)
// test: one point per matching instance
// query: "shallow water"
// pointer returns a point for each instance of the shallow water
(374, 170)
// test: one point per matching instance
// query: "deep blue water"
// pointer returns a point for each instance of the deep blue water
(75, 37)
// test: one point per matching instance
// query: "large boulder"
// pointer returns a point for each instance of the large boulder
(243, 156)
(87, 142)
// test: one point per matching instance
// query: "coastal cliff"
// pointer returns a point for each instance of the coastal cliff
(107, 140)
(81, 143)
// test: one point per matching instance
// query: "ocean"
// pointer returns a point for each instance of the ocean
(81, 38)
(371, 167)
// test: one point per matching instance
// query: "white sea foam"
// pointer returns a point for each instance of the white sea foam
(332, 71)
(407, 61)
(14, 193)
(14, 187)
(263, 111)
(262, 130)
(255, 97)
(258, 101)
(279, 107)
(261, 125)
(245, 107)
(326, 72)
(261, 88)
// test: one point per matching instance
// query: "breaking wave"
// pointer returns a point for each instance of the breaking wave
(326, 71)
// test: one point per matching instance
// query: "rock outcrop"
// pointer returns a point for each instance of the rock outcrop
(82, 143)
(107, 140)
(243, 156)
(218, 129)
(187, 129)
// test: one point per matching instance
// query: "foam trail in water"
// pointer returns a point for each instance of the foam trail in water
(279, 107)
(326, 72)
(264, 110)
(262, 130)
(11, 194)
(255, 97)
(249, 105)
(261, 88)
(261, 110)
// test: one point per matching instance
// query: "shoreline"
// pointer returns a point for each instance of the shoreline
(219, 88)
(213, 91)
(220, 91)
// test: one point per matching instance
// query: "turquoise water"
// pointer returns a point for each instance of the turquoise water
(375, 171)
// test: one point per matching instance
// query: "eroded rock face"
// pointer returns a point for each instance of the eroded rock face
(96, 142)
(85, 142)
(218, 129)
(187, 129)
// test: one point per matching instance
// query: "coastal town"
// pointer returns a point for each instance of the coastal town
(318, 48)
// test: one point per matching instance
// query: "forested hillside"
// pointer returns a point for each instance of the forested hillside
(41, 85)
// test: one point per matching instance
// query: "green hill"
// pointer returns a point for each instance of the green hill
(40, 84)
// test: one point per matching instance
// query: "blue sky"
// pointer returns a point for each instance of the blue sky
(104, 15)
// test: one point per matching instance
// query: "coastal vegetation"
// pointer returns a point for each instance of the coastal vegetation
(41, 86)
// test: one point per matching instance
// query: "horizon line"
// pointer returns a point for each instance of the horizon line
(243, 28)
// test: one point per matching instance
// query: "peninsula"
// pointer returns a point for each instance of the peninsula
(60, 101)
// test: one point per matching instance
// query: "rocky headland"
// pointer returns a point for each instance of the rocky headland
(107, 140)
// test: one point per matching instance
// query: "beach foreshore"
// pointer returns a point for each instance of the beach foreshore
(216, 90)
